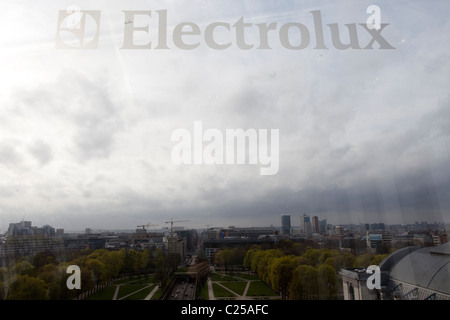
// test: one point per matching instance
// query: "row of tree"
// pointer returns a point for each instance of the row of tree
(295, 272)
(43, 277)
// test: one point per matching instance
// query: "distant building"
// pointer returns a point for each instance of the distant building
(323, 226)
(306, 224)
(59, 232)
(20, 228)
(439, 239)
(285, 224)
(176, 245)
(354, 285)
(23, 239)
(315, 224)
(191, 238)
(379, 242)
(377, 226)
(210, 252)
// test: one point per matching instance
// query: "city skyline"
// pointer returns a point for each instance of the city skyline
(295, 224)
(86, 133)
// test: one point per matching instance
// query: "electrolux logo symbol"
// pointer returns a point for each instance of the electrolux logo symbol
(78, 29)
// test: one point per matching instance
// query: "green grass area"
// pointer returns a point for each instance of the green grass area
(158, 294)
(106, 293)
(222, 277)
(245, 276)
(221, 292)
(235, 286)
(125, 280)
(141, 294)
(259, 288)
(126, 289)
(204, 292)
(182, 270)
(140, 280)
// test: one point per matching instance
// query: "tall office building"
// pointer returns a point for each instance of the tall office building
(323, 226)
(306, 224)
(315, 224)
(285, 224)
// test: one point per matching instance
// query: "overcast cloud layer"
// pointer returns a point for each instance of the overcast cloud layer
(85, 135)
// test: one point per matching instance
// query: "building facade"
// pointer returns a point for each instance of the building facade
(285, 224)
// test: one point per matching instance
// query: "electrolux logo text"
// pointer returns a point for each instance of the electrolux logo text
(80, 29)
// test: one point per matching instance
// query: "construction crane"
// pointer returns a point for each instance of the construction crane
(146, 225)
(171, 225)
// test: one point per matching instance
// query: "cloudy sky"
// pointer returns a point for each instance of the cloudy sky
(85, 134)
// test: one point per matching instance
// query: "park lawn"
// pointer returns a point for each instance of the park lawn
(222, 277)
(106, 293)
(245, 276)
(259, 288)
(158, 294)
(204, 294)
(141, 294)
(141, 280)
(235, 286)
(182, 270)
(126, 289)
(221, 292)
(124, 280)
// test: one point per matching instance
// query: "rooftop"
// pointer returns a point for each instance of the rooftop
(427, 267)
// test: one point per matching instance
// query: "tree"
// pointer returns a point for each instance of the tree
(304, 283)
(165, 265)
(55, 277)
(378, 259)
(290, 247)
(313, 256)
(255, 258)
(27, 288)
(325, 254)
(280, 274)
(219, 259)
(265, 261)
(249, 256)
(43, 258)
(134, 261)
(327, 282)
(114, 261)
(87, 280)
(161, 274)
(341, 260)
(363, 261)
(173, 261)
(23, 267)
(201, 257)
(98, 271)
